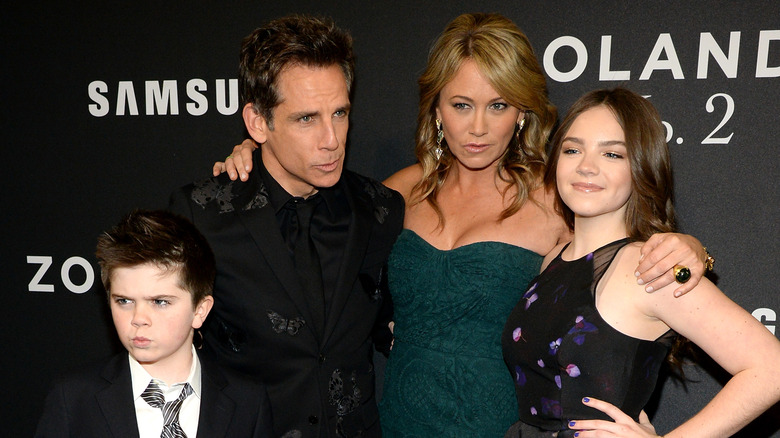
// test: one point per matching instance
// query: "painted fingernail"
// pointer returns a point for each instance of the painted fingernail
(636, 274)
(585, 400)
(571, 423)
(576, 434)
(677, 294)
(649, 289)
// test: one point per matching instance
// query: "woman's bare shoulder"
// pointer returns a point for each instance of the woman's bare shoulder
(405, 179)
(630, 255)
(623, 277)
(544, 198)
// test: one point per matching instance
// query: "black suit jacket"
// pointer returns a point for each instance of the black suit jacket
(98, 402)
(320, 383)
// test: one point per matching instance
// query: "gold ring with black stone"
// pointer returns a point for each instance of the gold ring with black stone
(681, 274)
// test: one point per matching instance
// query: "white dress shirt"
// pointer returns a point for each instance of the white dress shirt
(150, 420)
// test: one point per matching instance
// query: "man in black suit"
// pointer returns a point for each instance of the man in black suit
(301, 246)
(158, 272)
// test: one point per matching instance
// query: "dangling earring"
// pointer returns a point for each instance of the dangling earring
(438, 151)
(520, 125)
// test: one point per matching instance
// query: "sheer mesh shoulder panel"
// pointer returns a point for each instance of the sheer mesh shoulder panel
(602, 258)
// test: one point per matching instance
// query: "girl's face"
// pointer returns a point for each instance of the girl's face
(478, 124)
(593, 172)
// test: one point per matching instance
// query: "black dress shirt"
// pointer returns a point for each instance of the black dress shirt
(329, 226)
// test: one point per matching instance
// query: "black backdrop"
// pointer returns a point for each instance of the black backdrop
(108, 106)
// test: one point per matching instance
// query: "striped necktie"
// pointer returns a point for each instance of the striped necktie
(154, 397)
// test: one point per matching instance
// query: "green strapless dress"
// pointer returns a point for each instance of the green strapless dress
(446, 375)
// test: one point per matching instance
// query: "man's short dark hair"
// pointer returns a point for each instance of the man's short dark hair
(284, 42)
(163, 239)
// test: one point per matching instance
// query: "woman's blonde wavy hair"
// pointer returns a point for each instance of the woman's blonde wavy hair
(504, 56)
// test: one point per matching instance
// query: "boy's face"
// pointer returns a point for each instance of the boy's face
(154, 317)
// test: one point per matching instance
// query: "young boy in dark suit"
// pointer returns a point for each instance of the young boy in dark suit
(158, 272)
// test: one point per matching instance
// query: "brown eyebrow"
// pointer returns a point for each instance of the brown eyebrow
(612, 143)
(493, 100)
(161, 297)
(148, 298)
(296, 116)
(604, 143)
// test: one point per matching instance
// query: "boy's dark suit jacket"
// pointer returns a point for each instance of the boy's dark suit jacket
(321, 382)
(98, 402)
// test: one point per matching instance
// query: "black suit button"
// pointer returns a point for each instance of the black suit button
(313, 419)
(321, 358)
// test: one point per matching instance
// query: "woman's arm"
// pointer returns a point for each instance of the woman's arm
(735, 340)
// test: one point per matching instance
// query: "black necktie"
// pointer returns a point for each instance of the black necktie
(307, 262)
(154, 397)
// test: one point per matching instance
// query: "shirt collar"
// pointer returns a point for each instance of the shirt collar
(140, 377)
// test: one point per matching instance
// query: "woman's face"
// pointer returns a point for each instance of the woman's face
(478, 124)
(593, 172)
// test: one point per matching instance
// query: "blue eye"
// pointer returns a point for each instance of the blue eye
(498, 106)
(613, 155)
(161, 303)
(306, 119)
(569, 151)
(460, 105)
(121, 301)
(340, 113)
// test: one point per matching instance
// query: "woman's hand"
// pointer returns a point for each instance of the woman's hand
(662, 252)
(623, 426)
(238, 163)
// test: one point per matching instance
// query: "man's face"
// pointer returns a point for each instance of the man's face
(305, 148)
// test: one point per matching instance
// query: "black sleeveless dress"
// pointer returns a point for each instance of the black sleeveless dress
(558, 350)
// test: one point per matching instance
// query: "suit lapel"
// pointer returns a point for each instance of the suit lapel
(216, 409)
(261, 224)
(116, 401)
(357, 241)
